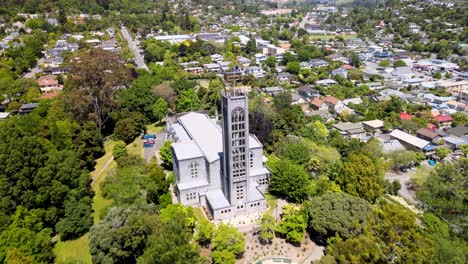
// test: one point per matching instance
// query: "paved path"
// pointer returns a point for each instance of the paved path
(302, 24)
(102, 169)
(133, 45)
(316, 254)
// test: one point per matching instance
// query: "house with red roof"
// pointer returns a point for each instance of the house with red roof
(49, 96)
(405, 116)
(444, 120)
(318, 104)
(333, 103)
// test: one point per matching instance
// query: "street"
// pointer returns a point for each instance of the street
(133, 45)
(31, 73)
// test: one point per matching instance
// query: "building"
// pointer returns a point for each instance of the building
(351, 130)
(411, 142)
(427, 134)
(219, 166)
(27, 108)
(49, 83)
(373, 125)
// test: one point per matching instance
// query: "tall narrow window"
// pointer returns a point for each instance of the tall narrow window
(238, 118)
(194, 169)
(251, 155)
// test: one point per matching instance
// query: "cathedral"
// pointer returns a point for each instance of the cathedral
(218, 165)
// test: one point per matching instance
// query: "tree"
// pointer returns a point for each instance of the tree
(437, 75)
(119, 150)
(464, 149)
(293, 67)
(204, 232)
(442, 152)
(294, 150)
(338, 214)
(293, 224)
(354, 60)
(129, 128)
(270, 61)
(78, 218)
(402, 158)
(160, 109)
(361, 177)
(443, 192)
(228, 244)
(384, 63)
(266, 228)
(166, 154)
(98, 74)
(188, 101)
(120, 237)
(251, 46)
(170, 242)
(288, 180)
(399, 63)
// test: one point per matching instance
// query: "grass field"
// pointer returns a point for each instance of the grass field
(156, 127)
(77, 251)
(73, 251)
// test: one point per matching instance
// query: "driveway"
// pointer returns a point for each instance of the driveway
(405, 180)
(31, 73)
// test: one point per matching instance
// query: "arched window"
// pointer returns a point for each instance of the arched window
(238, 115)
(194, 169)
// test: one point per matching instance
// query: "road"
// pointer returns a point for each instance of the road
(302, 24)
(37, 69)
(133, 45)
(404, 179)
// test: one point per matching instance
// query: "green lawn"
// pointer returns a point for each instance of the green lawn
(156, 127)
(197, 211)
(73, 251)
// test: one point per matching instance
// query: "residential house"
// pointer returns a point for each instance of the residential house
(235, 75)
(49, 83)
(173, 39)
(373, 125)
(284, 76)
(355, 101)
(340, 72)
(255, 71)
(4, 115)
(351, 130)
(27, 108)
(298, 100)
(308, 92)
(391, 145)
(110, 45)
(260, 58)
(334, 104)
(319, 105)
(444, 120)
(245, 62)
(94, 42)
(427, 134)
(273, 91)
(212, 67)
(326, 82)
(55, 70)
(217, 57)
(458, 131)
(224, 65)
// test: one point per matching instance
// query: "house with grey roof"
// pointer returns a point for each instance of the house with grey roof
(219, 166)
(351, 130)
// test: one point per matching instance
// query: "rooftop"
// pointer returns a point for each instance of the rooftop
(408, 138)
